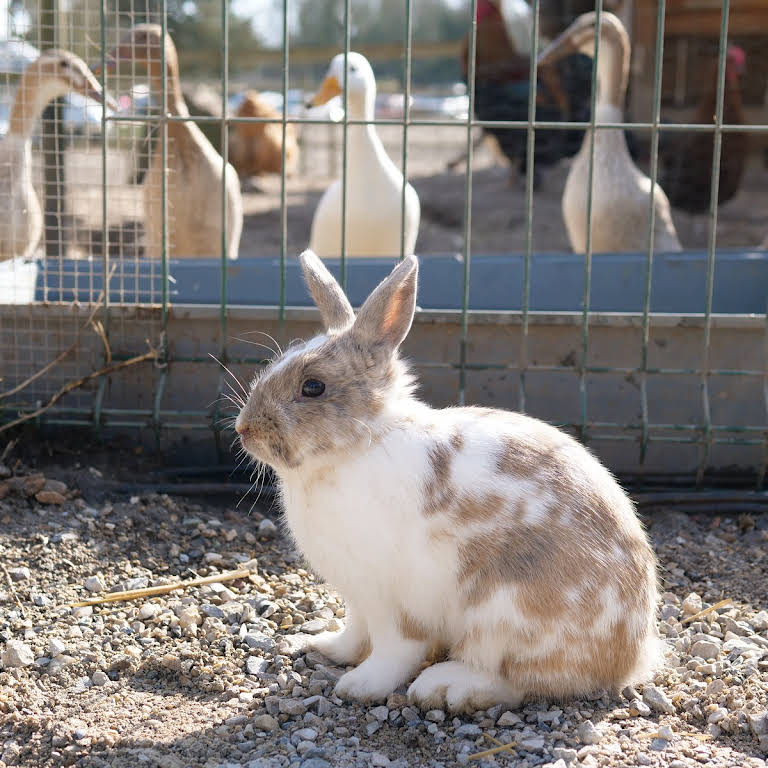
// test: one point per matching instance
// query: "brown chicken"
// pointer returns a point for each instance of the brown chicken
(687, 165)
(257, 148)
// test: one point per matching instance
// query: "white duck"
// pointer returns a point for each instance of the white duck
(374, 184)
(620, 191)
(54, 74)
(194, 167)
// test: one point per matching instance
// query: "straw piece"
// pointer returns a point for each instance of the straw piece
(134, 594)
(493, 751)
(715, 607)
(13, 591)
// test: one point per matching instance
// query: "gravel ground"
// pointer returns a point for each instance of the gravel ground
(211, 676)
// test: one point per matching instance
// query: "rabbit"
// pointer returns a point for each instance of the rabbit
(485, 533)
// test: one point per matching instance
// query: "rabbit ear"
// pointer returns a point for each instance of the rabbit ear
(387, 314)
(326, 293)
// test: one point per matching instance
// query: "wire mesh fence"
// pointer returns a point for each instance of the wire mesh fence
(655, 356)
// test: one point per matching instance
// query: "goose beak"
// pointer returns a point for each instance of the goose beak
(328, 89)
(561, 46)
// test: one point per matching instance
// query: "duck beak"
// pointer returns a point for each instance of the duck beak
(92, 89)
(328, 89)
(561, 46)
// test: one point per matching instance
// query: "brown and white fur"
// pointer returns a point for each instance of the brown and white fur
(485, 532)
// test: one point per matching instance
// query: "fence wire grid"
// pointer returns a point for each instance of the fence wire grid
(657, 392)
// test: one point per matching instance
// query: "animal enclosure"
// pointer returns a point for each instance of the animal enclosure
(657, 358)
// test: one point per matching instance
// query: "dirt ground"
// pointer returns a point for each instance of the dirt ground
(498, 199)
(214, 676)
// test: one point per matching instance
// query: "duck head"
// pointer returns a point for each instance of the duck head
(361, 85)
(613, 57)
(56, 73)
(143, 44)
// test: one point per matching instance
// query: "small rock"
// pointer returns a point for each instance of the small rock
(4, 472)
(380, 713)
(659, 745)
(148, 611)
(306, 734)
(705, 649)
(255, 665)
(379, 761)
(467, 731)
(643, 759)
(19, 574)
(759, 622)
(33, 484)
(41, 600)
(99, 678)
(692, 604)
(315, 762)
(588, 733)
(267, 528)
(50, 497)
(531, 743)
(564, 753)
(657, 700)
(508, 720)
(94, 584)
(291, 707)
(719, 714)
(259, 642)
(371, 728)
(758, 723)
(557, 764)
(313, 626)
(665, 732)
(56, 647)
(435, 716)
(61, 661)
(410, 715)
(17, 654)
(638, 708)
(56, 486)
(213, 611)
(189, 618)
(265, 723)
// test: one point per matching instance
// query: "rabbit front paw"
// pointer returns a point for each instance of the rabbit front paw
(368, 682)
(345, 647)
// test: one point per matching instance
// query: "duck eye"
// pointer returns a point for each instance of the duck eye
(353, 67)
(312, 388)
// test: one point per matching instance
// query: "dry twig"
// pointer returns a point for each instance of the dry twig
(70, 349)
(13, 591)
(153, 354)
(135, 594)
(717, 606)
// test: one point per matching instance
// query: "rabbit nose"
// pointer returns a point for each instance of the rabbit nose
(241, 428)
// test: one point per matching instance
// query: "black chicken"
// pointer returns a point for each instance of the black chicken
(502, 90)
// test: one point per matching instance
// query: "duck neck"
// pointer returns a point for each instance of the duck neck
(175, 99)
(613, 67)
(364, 142)
(32, 95)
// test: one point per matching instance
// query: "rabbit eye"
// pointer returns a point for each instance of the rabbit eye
(312, 388)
